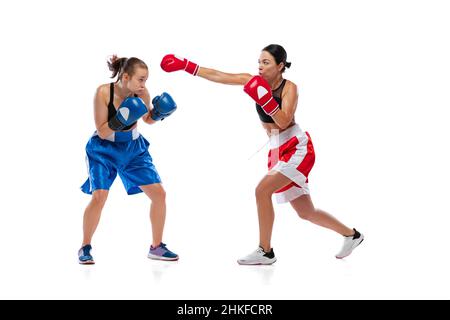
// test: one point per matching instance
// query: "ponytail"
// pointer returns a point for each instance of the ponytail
(119, 66)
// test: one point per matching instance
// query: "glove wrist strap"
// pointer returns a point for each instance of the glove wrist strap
(115, 124)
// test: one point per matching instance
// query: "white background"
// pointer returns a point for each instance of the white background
(374, 95)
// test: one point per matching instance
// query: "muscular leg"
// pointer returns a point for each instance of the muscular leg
(157, 195)
(305, 209)
(266, 187)
(92, 214)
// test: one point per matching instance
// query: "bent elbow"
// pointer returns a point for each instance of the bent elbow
(284, 121)
(283, 126)
(102, 135)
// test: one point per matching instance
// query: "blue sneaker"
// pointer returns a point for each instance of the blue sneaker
(84, 255)
(162, 253)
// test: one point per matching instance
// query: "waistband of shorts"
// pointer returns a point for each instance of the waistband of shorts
(122, 136)
(278, 139)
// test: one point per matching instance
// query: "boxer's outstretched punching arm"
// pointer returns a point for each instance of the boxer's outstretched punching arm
(171, 63)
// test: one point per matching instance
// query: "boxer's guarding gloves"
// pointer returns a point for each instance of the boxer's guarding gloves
(171, 63)
(163, 106)
(259, 90)
(130, 110)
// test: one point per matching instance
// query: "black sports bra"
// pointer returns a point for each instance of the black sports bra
(112, 110)
(277, 96)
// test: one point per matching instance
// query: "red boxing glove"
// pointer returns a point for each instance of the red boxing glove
(172, 63)
(260, 91)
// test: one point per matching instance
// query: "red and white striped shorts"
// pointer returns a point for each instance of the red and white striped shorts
(292, 154)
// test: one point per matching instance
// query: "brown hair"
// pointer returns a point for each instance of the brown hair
(119, 66)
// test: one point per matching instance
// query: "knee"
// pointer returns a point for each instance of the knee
(263, 191)
(99, 197)
(306, 214)
(158, 195)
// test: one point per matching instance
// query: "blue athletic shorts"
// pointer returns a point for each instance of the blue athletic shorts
(125, 153)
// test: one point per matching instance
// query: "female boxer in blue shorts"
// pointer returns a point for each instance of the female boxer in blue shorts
(291, 157)
(117, 148)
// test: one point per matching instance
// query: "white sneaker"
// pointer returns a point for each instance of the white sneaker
(258, 257)
(350, 243)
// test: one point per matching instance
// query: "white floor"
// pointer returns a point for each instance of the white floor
(211, 221)
(394, 262)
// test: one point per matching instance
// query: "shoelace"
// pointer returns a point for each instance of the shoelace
(161, 245)
(86, 251)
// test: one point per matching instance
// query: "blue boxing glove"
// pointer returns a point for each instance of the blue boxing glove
(130, 110)
(163, 106)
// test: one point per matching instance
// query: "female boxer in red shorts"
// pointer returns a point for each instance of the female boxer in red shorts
(291, 156)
